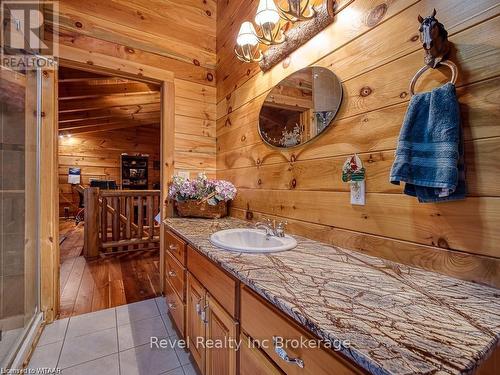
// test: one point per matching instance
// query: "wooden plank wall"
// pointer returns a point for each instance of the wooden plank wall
(155, 36)
(373, 47)
(98, 156)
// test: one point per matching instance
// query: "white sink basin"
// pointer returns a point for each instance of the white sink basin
(251, 241)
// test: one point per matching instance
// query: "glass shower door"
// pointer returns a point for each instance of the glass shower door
(19, 278)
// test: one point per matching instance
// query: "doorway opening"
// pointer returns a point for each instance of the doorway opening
(109, 190)
(20, 122)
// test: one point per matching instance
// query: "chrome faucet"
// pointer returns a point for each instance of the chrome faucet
(267, 227)
(280, 228)
(272, 228)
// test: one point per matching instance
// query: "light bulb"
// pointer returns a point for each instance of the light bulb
(247, 35)
(267, 13)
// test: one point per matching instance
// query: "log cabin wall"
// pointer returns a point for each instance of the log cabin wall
(373, 47)
(159, 35)
(98, 156)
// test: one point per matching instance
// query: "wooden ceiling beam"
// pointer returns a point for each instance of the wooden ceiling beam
(68, 74)
(108, 101)
(109, 119)
(93, 88)
(121, 111)
(148, 117)
(96, 95)
(107, 127)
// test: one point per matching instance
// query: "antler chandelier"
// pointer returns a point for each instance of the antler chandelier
(269, 28)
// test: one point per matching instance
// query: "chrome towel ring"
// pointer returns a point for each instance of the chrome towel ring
(449, 64)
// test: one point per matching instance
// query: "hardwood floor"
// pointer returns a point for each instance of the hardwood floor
(88, 286)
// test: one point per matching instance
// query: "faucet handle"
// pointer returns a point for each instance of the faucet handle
(268, 221)
(281, 224)
(280, 228)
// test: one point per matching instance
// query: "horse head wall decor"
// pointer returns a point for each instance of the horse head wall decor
(434, 39)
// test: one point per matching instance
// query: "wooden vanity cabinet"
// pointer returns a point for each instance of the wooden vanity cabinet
(207, 324)
(207, 306)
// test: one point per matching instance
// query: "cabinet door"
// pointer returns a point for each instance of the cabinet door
(195, 325)
(221, 336)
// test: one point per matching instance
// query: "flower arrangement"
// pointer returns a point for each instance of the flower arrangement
(193, 196)
(215, 191)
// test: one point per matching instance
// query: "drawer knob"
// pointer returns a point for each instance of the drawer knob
(284, 355)
(172, 273)
(174, 247)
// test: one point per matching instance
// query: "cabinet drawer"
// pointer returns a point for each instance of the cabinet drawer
(175, 274)
(253, 361)
(175, 307)
(219, 284)
(176, 247)
(262, 322)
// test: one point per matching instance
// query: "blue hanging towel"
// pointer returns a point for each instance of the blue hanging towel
(430, 152)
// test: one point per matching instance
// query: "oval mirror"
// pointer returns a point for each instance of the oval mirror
(300, 107)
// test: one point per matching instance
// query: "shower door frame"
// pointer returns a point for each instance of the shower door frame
(46, 265)
(36, 122)
(48, 222)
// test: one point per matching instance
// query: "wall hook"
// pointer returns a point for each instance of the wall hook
(434, 38)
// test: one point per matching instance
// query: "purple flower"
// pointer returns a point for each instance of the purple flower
(182, 189)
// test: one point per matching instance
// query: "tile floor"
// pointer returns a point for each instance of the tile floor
(9, 339)
(113, 341)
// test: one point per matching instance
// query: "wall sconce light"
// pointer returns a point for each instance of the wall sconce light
(267, 18)
(296, 12)
(247, 44)
(270, 29)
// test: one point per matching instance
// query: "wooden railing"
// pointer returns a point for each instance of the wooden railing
(120, 220)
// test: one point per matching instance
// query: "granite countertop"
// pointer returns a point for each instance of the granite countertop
(397, 319)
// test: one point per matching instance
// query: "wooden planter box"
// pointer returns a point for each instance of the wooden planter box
(195, 208)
